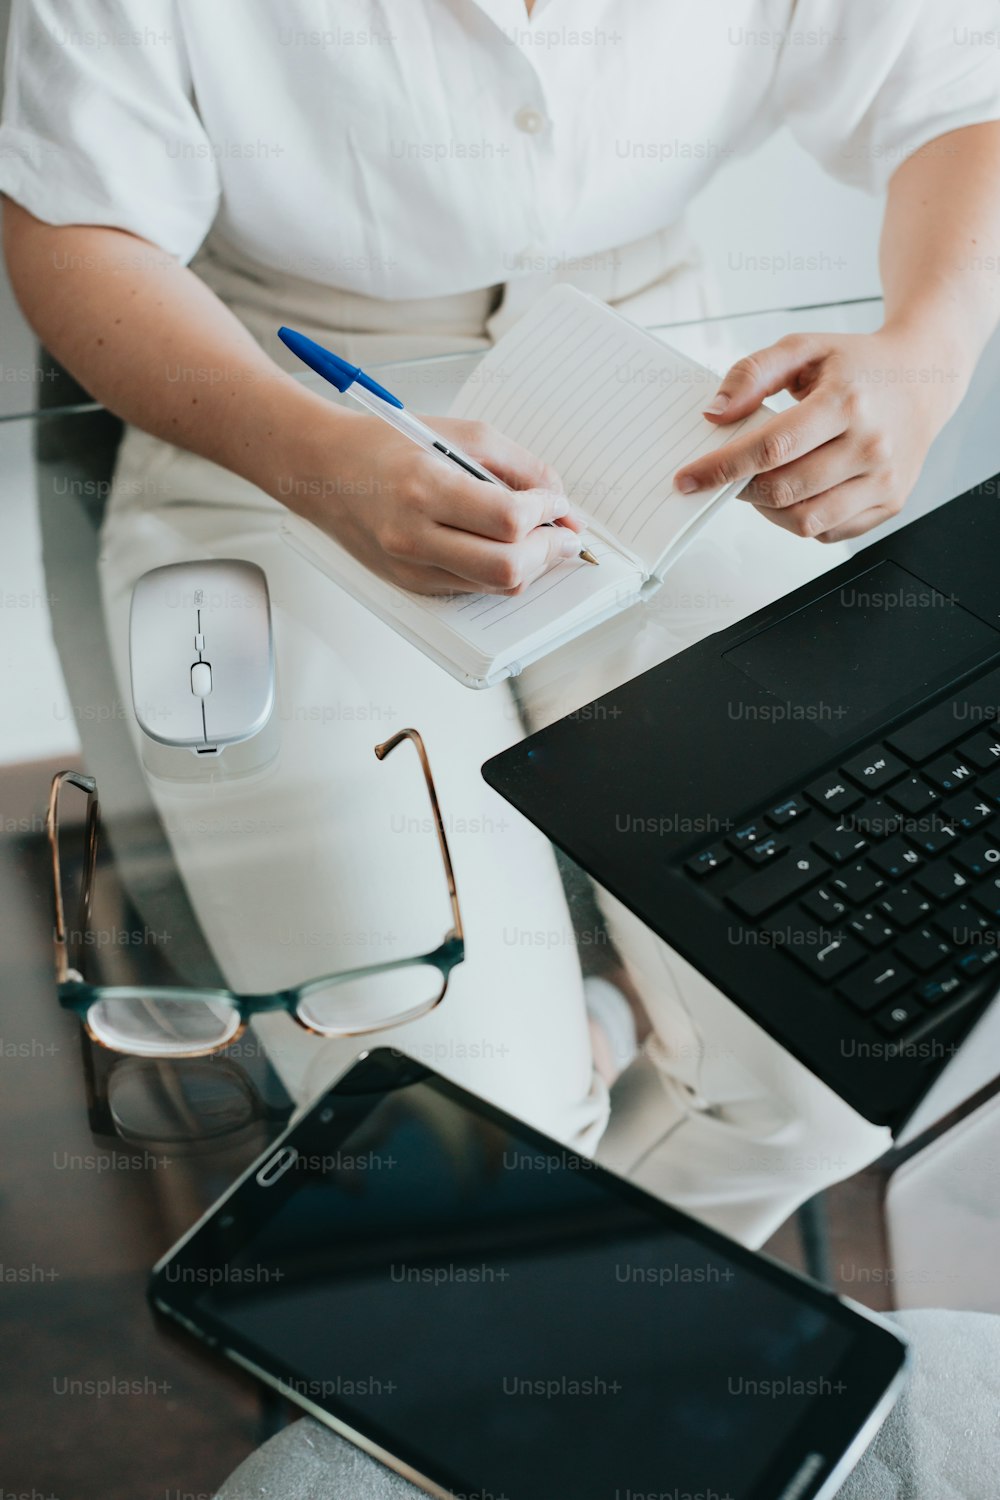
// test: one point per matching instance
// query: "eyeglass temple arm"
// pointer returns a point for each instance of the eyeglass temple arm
(89, 785)
(386, 748)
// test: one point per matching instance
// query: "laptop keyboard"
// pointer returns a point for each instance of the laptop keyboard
(881, 878)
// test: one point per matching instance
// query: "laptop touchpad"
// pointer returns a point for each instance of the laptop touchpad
(883, 640)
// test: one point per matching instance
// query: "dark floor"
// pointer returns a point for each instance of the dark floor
(100, 1402)
(97, 1400)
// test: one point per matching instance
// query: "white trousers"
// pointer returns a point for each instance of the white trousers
(324, 859)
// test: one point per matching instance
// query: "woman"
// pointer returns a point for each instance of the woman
(403, 179)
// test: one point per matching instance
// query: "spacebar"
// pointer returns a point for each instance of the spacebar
(753, 897)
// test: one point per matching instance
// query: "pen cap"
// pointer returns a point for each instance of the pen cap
(332, 368)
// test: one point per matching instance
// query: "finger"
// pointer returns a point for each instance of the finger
(545, 549)
(507, 567)
(418, 579)
(421, 579)
(864, 521)
(829, 512)
(515, 465)
(786, 436)
(825, 467)
(763, 374)
(487, 510)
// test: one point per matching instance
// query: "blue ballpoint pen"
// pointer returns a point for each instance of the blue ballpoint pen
(367, 392)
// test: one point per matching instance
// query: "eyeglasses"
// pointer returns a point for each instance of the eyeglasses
(165, 1021)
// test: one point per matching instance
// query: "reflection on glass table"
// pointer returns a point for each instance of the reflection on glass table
(185, 1104)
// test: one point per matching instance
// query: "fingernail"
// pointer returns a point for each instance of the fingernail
(569, 542)
(718, 406)
(687, 485)
(560, 506)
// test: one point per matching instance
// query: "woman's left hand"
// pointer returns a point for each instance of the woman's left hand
(847, 456)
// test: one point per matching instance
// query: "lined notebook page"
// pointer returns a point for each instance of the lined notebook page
(480, 634)
(615, 411)
(500, 629)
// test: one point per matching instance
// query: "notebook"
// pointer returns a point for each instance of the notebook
(616, 412)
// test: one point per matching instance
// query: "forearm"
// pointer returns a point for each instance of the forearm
(940, 248)
(151, 342)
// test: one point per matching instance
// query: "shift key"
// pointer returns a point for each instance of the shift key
(762, 893)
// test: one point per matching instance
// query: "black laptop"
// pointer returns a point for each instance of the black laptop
(807, 805)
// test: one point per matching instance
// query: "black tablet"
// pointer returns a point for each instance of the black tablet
(492, 1315)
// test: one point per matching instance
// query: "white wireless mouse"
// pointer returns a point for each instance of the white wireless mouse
(201, 654)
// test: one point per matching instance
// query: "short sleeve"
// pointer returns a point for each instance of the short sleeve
(865, 85)
(99, 126)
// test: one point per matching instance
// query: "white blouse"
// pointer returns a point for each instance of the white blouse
(411, 148)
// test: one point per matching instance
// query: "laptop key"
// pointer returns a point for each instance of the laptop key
(933, 835)
(971, 965)
(897, 1016)
(949, 773)
(914, 795)
(933, 991)
(824, 953)
(987, 897)
(923, 950)
(967, 811)
(835, 793)
(872, 928)
(927, 735)
(939, 727)
(905, 907)
(983, 750)
(840, 844)
(874, 821)
(743, 837)
(788, 811)
(858, 883)
(770, 887)
(941, 882)
(766, 849)
(875, 983)
(825, 905)
(978, 856)
(989, 787)
(962, 923)
(895, 858)
(874, 768)
(708, 861)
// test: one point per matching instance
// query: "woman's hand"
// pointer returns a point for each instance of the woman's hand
(846, 458)
(416, 520)
(423, 523)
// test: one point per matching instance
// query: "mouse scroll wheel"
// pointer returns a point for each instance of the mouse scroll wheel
(201, 679)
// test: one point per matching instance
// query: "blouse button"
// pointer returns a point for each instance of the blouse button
(531, 121)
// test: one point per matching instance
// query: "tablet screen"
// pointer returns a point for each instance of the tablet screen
(509, 1319)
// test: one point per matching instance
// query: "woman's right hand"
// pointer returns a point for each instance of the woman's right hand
(421, 522)
(416, 520)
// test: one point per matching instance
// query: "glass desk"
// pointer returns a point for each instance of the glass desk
(108, 1162)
